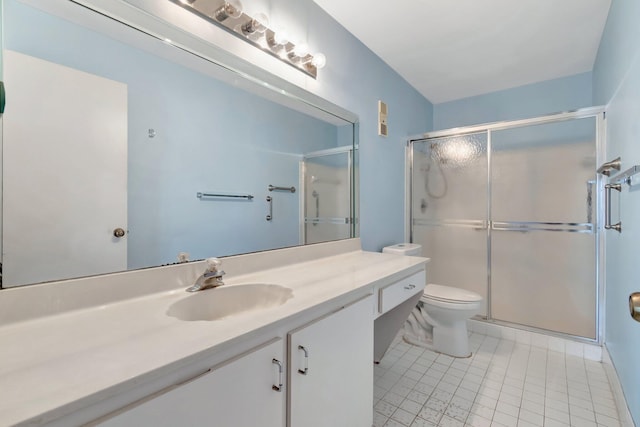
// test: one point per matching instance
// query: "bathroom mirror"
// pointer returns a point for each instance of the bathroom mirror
(123, 151)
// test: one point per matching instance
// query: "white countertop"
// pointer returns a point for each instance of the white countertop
(55, 365)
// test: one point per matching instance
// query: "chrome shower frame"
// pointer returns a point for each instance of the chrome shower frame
(599, 113)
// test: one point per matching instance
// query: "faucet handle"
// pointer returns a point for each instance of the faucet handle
(213, 264)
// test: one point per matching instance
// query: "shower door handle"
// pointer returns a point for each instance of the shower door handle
(607, 210)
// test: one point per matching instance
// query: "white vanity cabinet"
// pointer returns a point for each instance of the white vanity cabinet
(243, 392)
(331, 369)
(330, 382)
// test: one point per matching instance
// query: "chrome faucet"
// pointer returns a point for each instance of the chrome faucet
(211, 278)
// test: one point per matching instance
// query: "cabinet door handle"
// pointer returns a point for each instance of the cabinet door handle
(409, 287)
(306, 360)
(279, 386)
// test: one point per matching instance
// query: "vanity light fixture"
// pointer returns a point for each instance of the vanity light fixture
(230, 8)
(229, 15)
(258, 24)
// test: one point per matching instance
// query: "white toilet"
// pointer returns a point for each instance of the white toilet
(439, 321)
(443, 311)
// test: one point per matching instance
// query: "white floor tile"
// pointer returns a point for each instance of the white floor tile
(411, 406)
(528, 380)
(403, 417)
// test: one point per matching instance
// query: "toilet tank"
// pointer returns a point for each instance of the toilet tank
(409, 249)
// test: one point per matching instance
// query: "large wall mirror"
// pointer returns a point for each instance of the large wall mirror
(122, 151)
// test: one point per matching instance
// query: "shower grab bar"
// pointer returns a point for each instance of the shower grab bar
(276, 188)
(607, 212)
(607, 167)
(626, 177)
(201, 195)
(527, 226)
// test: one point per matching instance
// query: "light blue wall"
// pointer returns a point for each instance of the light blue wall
(356, 79)
(617, 83)
(551, 96)
(210, 137)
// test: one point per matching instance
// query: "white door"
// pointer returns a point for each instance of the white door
(331, 370)
(238, 394)
(64, 172)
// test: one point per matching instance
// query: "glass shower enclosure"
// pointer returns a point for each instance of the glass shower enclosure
(510, 211)
(328, 199)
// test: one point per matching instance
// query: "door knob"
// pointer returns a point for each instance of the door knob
(634, 305)
(119, 232)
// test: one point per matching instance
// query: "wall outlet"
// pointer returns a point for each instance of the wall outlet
(383, 129)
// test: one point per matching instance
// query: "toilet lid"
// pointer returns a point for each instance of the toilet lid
(450, 294)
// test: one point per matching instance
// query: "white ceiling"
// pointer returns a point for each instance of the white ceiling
(452, 49)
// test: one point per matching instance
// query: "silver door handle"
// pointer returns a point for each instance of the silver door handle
(607, 210)
(306, 360)
(278, 387)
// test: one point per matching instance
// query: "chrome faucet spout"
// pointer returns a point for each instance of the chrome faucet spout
(211, 278)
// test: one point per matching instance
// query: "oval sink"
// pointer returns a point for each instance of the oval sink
(214, 304)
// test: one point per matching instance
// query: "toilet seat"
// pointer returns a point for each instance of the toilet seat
(448, 294)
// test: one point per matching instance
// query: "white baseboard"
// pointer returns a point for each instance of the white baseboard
(621, 403)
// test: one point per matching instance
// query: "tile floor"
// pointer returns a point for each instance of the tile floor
(504, 383)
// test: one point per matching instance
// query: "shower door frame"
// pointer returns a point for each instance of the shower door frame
(599, 114)
(350, 151)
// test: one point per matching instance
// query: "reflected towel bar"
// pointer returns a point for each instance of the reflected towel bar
(225, 195)
(276, 188)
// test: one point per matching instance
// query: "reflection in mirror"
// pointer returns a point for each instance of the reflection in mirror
(106, 146)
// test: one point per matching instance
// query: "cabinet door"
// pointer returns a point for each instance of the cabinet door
(331, 369)
(239, 393)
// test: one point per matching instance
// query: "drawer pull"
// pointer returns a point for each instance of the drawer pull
(279, 386)
(409, 287)
(306, 360)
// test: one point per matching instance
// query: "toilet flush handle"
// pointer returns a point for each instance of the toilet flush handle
(409, 287)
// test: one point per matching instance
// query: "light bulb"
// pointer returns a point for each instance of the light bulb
(230, 8)
(187, 2)
(281, 38)
(301, 50)
(319, 60)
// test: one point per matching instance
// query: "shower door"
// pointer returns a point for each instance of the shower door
(449, 209)
(510, 211)
(327, 199)
(543, 248)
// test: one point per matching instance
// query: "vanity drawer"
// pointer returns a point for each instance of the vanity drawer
(400, 291)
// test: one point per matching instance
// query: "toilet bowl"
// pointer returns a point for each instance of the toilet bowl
(440, 320)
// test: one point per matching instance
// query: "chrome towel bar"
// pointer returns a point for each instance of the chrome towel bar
(276, 188)
(626, 177)
(201, 195)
